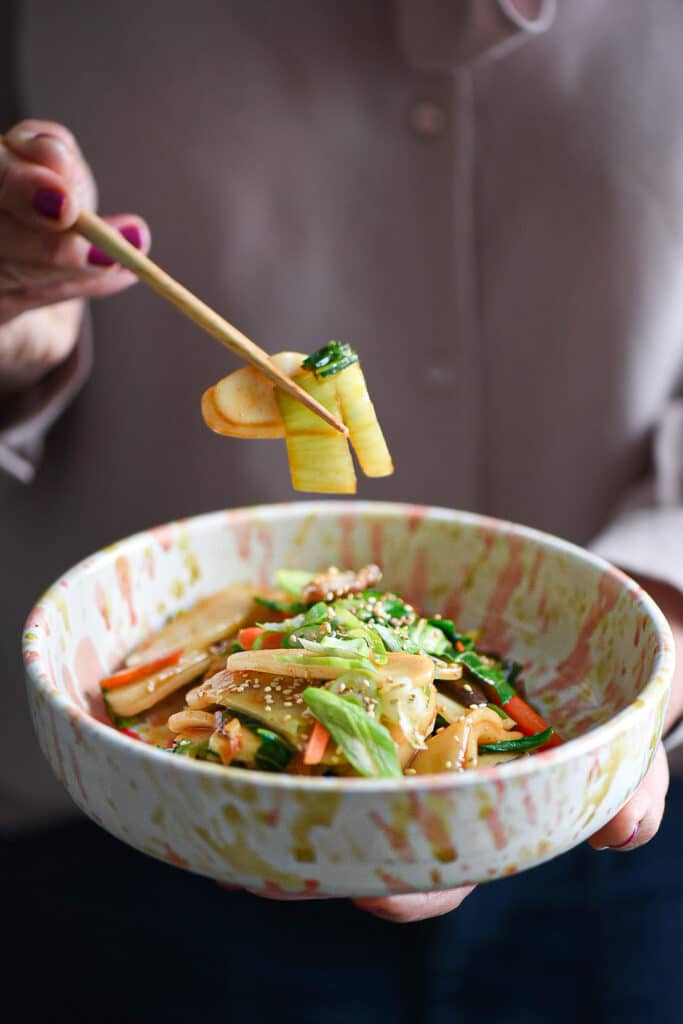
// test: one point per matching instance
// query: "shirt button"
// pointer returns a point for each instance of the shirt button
(427, 118)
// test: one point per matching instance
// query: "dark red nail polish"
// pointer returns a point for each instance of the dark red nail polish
(49, 202)
(132, 234)
(97, 258)
(628, 841)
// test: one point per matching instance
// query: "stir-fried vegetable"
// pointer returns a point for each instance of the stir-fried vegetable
(319, 457)
(539, 739)
(246, 404)
(347, 678)
(366, 743)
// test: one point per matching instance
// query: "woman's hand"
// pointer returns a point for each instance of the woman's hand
(44, 184)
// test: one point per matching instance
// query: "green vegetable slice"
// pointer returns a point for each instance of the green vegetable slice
(489, 674)
(331, 358)
(293, 581)
(193, 748)
(428, 639)
(499, 711)
(515, 746)
(286, 607)
(447, 627)
(331, 661)
(366, 744)
(274, 754)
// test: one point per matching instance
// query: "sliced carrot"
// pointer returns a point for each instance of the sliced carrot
(529, 721)
(317, 744)
(253, 637)
(129, 732)
(131, 675)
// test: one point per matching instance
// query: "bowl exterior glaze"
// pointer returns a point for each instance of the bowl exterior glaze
(598, 659)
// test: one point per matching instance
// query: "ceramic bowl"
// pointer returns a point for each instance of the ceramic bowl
(598, 659)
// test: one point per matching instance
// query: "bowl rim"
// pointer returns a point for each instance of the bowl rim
(588, 743)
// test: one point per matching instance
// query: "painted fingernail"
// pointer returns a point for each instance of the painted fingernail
(49, 202)
(97, 258)
(132, 234)
(628, 841)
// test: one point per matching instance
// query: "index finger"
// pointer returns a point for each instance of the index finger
(44, 142)
(44, 181)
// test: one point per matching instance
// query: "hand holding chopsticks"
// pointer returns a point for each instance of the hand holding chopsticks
(110, 241)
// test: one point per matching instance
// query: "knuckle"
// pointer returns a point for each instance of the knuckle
(35, 126)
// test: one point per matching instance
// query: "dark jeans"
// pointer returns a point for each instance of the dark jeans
(92, 927)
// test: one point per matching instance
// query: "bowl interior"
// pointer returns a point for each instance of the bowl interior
(587, 636)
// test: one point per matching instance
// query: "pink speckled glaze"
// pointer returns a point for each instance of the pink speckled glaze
(599, 659)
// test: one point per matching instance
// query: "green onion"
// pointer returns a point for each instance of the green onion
(314, 616)
(286, 607)
(194, 749)
(489, 674)
(331, 358)
(447, 627)
(499, 711)
(388, 637)
(274, 754)
(517, 746)
(366, 744)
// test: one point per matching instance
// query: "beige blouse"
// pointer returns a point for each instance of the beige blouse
(489, 208)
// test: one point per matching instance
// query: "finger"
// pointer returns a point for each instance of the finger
(44, 142)
(417, 907)
(79, 286)
(47, 193)
(287, 897)
(20, 244)
(639, 820)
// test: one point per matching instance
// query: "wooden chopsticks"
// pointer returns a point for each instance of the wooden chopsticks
(110, 241)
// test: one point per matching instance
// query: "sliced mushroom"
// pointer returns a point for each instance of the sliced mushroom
(274, 701)
(468, 694)
(449, 708)
(456, 746)
(244, 404)
(335, 583)
(417, 668)
(188, 721)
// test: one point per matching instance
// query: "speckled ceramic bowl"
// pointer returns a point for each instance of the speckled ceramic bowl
(598, 657)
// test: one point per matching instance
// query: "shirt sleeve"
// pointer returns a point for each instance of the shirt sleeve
(26, 418)
(645, 538)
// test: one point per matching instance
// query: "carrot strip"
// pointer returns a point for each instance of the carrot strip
(253, 637)
(131, 675)
(529, 721)
(317, 744)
